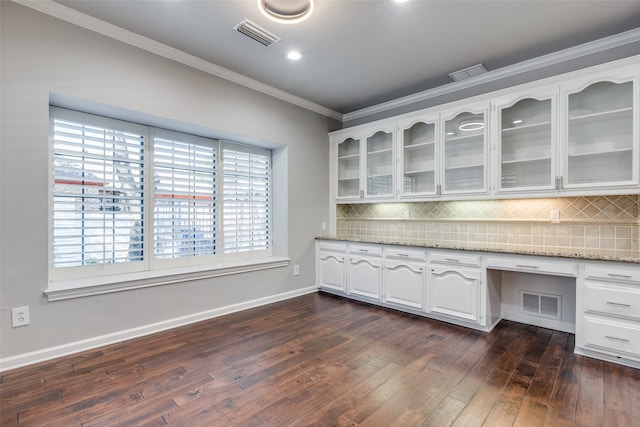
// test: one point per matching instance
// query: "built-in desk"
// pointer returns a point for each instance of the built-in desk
(597, 300)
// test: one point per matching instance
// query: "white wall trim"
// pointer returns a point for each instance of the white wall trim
(72, 16)
(572, 53)
(99, 341)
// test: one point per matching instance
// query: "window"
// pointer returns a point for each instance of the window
(132, 198)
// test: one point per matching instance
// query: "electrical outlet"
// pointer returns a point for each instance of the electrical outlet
(19, 316)
(555, 216)
(296, 270)
(324, 225)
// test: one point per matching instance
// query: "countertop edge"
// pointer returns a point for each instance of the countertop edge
(486, 250)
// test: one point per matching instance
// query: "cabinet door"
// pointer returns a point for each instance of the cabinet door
(526, 144)
(348, 168)
(454, 291)
(365, 276)
(379, 164)
(332, 271)
(404, 283)
(418, 154)
(465, 152)
(601, 133)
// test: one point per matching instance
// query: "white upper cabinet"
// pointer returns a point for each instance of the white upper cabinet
(525, 141)
(348, 167)
(418, 172)
(464, 157)
(600, 131)
(380, 163)
(577, 134)
(364, 163)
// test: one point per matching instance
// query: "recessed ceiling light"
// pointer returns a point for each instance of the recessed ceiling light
(286, 11)
(294, 55)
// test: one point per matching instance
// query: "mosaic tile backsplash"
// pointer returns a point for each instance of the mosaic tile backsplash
(607, 226)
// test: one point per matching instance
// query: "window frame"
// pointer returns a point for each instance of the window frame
(72, 282)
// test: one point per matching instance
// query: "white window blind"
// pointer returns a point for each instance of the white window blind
(246, 199)
(184, 197)
(98, 208)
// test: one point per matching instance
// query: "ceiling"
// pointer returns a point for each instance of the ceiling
(361, 53)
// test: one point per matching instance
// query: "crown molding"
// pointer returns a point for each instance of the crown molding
(83, 20)
(572, 53)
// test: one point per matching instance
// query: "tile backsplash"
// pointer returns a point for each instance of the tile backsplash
(605, 225)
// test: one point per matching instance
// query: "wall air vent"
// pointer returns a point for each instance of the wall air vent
(256, 32)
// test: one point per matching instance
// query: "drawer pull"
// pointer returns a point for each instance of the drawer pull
(618, 304)
(404, 255)
(527, 266)
(363, 250)
(452, 260)
(616, 339)
(620, 276)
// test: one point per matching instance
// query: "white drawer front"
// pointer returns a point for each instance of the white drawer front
(613, 336)
(616, 274)
(373, 250)
(405, 253)
(332, 246)
(533, 265)
(455, 258)
(618, 301)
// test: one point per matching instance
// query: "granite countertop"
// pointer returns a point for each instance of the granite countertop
(488, 250)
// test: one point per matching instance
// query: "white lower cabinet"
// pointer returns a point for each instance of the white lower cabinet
(331, 266)
(455, 292)
(364, 275)
(403, 278)
(610, 315)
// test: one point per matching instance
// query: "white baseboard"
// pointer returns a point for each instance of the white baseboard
(33, 357)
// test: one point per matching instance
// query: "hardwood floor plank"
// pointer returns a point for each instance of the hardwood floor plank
(320, 360)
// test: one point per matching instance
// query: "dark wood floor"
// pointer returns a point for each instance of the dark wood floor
(320, 360)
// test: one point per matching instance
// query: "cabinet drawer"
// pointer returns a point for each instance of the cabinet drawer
(404, 253)
(332, 246)
(615, 274)
(372, 250)
(534, 265)
(613, 336)
(614, 300)
(455, 258)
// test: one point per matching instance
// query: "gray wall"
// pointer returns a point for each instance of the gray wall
(42, 56)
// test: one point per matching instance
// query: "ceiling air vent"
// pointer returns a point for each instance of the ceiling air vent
(256, 32)
(468, 72)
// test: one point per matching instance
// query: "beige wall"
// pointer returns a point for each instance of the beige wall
(591, 226)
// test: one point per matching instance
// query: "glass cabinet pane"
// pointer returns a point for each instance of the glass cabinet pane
(349, 168)
(600, 134)
(464, 153)
(380, 164)
(418, 164)
(526, 145)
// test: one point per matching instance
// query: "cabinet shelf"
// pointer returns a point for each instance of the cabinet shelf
(418, 145)
(349, 179)
(531, 160)
(349, 156)
(418, 171)
(378, 152)
(603, 115)
(528, 128)
(479, 165)
(601, 153)
(476, 137)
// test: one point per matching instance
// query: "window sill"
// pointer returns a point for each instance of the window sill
(78, 288)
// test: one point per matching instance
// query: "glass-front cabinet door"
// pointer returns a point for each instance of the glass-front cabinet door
(526, 129)
(348, 168)
(601, 134)
(465, 152)
(418, 154)
(379, 163)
